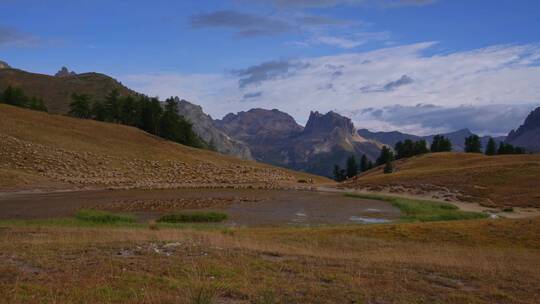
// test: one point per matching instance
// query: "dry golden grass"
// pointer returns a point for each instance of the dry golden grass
(39, 146)
(505, 180)
(484, 261)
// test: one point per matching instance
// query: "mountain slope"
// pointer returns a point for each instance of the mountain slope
(56, 91)
(53, 151)
(203, 125)
(528, 134)
(274, 137)
(504, 180)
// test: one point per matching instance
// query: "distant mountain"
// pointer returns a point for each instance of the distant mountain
(387, 138)
(528, 134)
(266, 132)
(457, 138)
(274, 137)
(203, 125)
(4, 65)
(56, 91)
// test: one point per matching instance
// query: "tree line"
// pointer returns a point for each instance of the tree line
(140, 111)
(353, 168)
(409, 148)
(17, 97)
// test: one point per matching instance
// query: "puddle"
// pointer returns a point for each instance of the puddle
(373, 210)
(368, 220)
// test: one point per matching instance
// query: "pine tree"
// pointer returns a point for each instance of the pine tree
(99, 112)
(80, 106)
(352, 168)
(339, 174)
(440, 144)
(113, 106)
(491, 148)
(364, 164)
(386, 154)
(420, 147)
(388, 167)
(473, 144)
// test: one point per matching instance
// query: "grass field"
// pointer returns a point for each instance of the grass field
(482, 261)
(495, 181)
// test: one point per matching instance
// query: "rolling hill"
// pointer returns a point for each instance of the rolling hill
(56, 91)
(504, 180)
(41, 150)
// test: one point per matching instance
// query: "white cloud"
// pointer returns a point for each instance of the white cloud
(503, 74)
(337, 41)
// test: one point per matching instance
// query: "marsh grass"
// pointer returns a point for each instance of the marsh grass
(103, 217)
(423, 210)
(194, 217)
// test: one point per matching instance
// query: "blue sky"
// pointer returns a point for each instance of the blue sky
(234, 55)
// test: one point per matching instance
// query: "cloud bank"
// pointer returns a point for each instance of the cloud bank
(489, 90)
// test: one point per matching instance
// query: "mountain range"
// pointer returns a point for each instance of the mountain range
(275, 138)
(268, 136)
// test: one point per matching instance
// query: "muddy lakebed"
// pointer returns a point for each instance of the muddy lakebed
(243, 207)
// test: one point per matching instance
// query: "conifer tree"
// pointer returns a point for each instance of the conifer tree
(352, 167)
(364, 164)
(80, 106)
(473, 144)
(491, 148)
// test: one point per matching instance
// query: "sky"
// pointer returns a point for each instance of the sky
(419, 66)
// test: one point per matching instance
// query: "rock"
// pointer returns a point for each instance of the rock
(64, 72)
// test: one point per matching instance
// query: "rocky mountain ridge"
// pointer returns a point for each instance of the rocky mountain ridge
(203, 125)
(274, 137)
(528, 134)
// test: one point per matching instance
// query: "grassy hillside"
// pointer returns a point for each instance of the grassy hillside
(56, 91)
(53, 151)
(504, 180)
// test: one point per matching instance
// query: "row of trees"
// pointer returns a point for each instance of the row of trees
(143, 112)
(503, 149)
(16, 97)
(410, 148)
(353, 168)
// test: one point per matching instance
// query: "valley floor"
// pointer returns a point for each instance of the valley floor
(48, 258)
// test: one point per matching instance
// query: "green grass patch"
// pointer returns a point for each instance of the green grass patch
(103, 217)
(423, 210)
(194, 217)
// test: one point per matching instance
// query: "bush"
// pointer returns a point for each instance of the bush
(194, 217)
(103, 217)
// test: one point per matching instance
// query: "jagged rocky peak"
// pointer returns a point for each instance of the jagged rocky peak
(531, 123)
(326, 123)
(64, 72)
(4, 65)
(258, 121)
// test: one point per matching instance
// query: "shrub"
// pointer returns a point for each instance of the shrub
(194, 217)
(508, 209)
